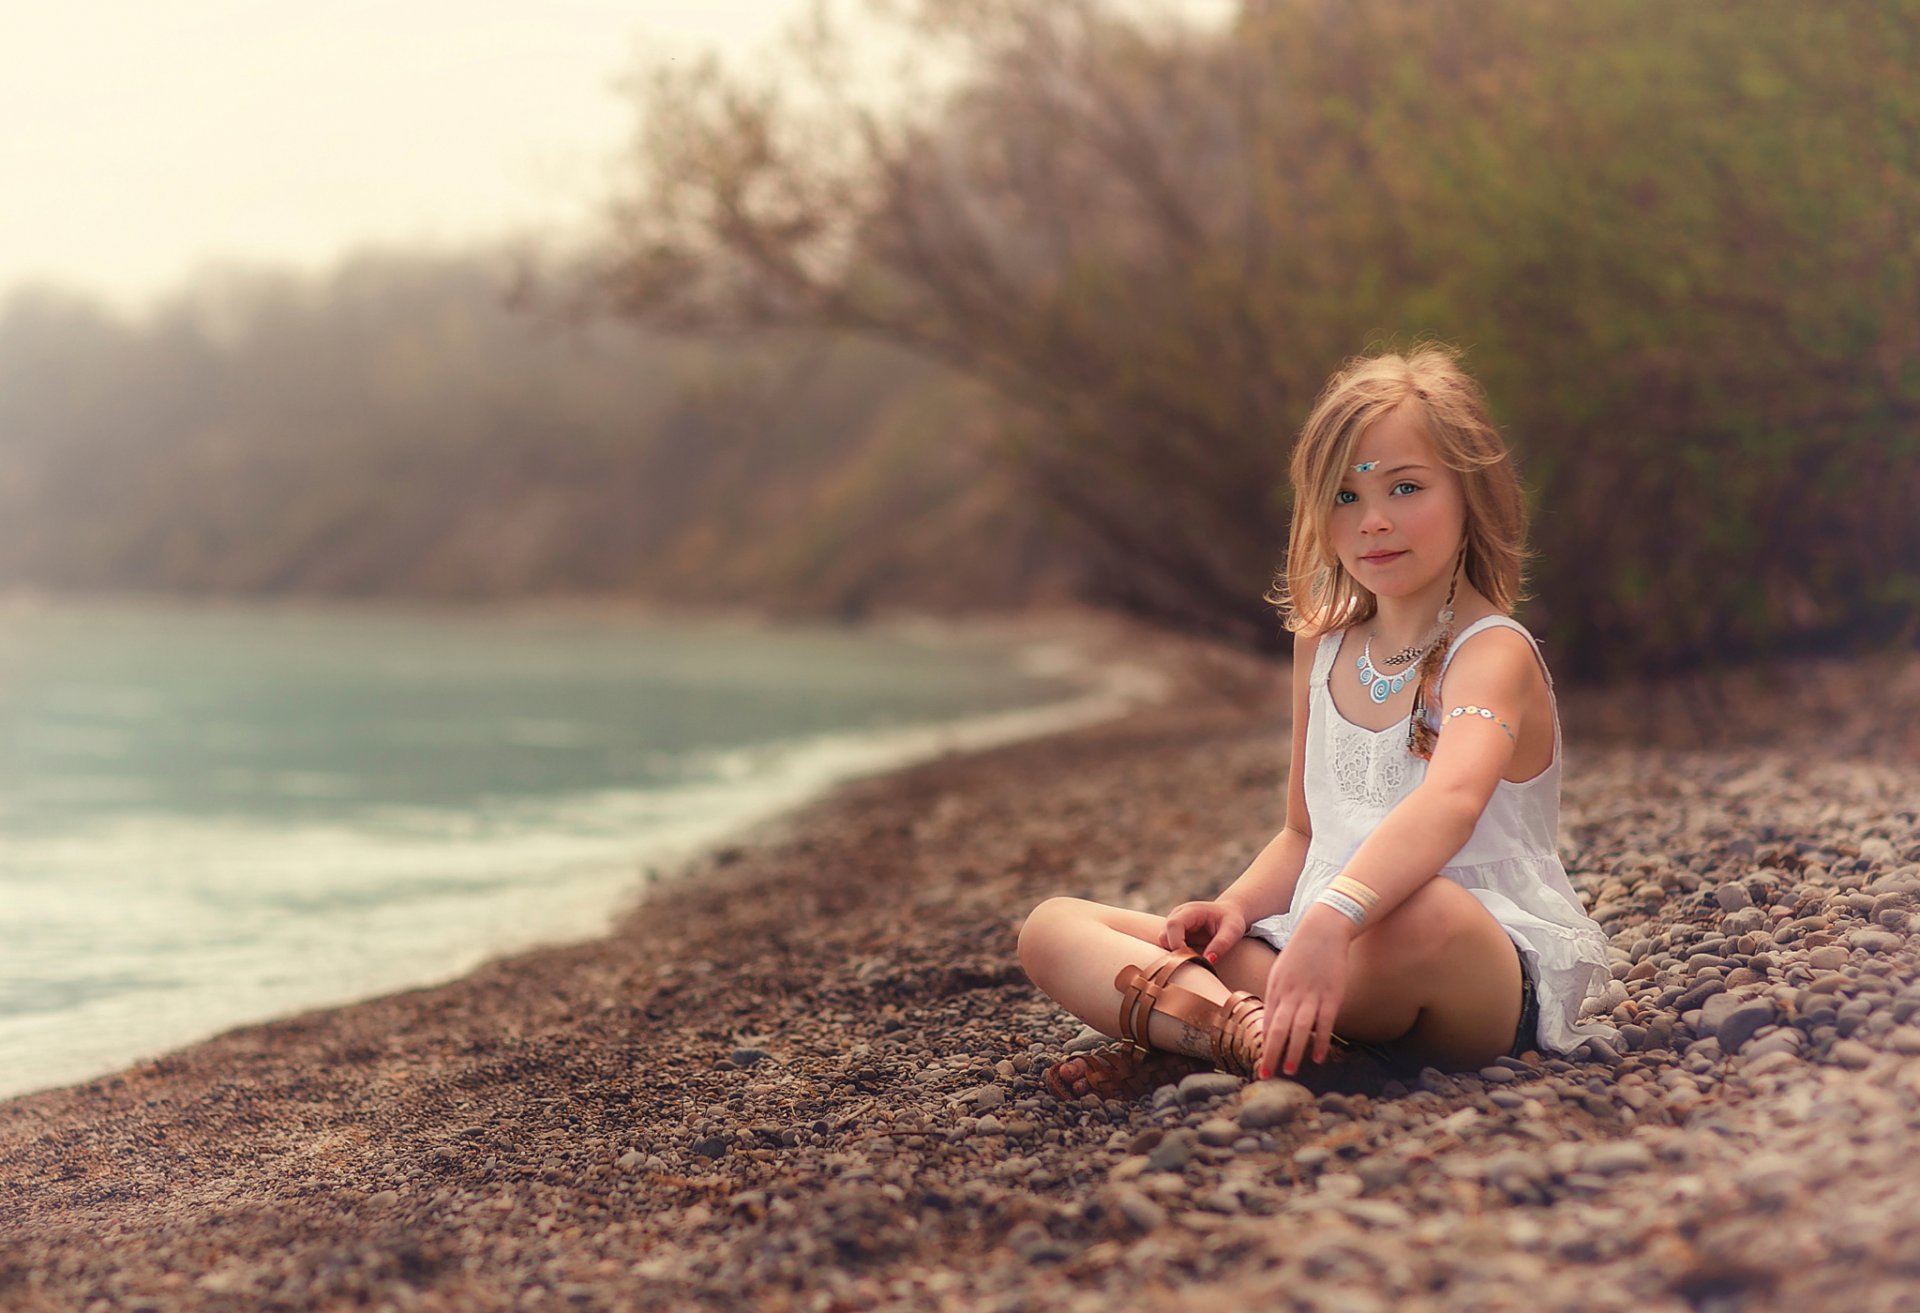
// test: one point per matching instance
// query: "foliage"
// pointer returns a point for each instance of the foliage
(1679, 243)
(401, 430)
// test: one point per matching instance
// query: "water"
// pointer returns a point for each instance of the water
(210, 816)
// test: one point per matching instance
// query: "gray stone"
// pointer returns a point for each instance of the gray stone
(1762, 1064)
(1377, 1213)
(631, 1161)
(1381, 1172)
(747, 1057)
(710, 1146)
(1140, 1212)
(1732, 896)
(1173, 1153)
(1599, 1050)
(1088, 1040)
(1905, 1040)
(1273, 1103)
(1203, 1085)
(1737, 1026)
(1221, 1201)
(1852, 1054)
(1875, 941)
(1521, 1176)
(1218, 1132)
(1617, 1158)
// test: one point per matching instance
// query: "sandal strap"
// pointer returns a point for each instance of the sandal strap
(1233, 1028)
(1141, 992)
(1241, 1033)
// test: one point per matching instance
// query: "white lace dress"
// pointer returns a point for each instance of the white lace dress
(1355, 776)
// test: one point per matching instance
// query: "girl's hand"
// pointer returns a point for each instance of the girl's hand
(1210, 928)
(1305, 987)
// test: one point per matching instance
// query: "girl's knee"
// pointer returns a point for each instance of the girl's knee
(1044, 923)
(1429, 924)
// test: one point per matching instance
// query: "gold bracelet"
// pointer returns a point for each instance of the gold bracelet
(1353, 889)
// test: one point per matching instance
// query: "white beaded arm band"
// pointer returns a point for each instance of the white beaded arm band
(1484, 714)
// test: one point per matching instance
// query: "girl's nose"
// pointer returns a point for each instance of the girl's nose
(1375, 521)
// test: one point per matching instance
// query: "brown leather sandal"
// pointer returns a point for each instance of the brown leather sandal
(1232, 1030)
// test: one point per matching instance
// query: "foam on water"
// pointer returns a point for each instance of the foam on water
(145, 930)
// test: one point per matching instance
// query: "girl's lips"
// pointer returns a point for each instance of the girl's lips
(1381, 558)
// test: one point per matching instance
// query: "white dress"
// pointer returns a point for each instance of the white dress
(1511, 863)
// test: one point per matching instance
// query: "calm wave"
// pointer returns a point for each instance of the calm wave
(211, 816)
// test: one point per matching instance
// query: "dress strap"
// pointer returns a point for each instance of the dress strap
(1498, 621)
(1495, 621)
(1324, 651)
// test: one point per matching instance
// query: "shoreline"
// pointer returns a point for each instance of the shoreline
(1072, 651)
(808, 1079)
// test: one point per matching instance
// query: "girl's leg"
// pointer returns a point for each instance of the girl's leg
(1437, 975)
(1072, 949)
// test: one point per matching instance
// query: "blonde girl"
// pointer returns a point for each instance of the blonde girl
(1415, 899)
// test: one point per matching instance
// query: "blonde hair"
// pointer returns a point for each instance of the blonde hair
(1314, 592)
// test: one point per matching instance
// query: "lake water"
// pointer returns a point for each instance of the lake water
(210, 816)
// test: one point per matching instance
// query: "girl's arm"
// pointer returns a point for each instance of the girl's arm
(1498, 671)
(1266, 886)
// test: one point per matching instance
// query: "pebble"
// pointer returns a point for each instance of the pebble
(1521, 1176)
(1732, 896)
(1218, 1132)
(1221, 1201)
(747, 1057)
(1875, 941)
(1905, 1040)
(1852, 1054)
(1830, 958)
(1382, 1172)
(1173, 1153)
(1377, 1213)
(1617, 1158)
(986, 1098)
(1087, 1040)
(1141, 1212)
(1203, 1085)
(1273, 1103)
(1738, 1024)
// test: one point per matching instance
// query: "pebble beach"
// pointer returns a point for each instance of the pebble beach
(806, 1075)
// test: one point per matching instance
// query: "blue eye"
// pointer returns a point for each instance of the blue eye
(1345, 497)
(1404, 487)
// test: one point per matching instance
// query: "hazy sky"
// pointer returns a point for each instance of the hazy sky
(143, 139)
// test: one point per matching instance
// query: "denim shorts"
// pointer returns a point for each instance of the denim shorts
(1526, 1035)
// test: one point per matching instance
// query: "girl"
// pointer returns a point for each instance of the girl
(1425, 744)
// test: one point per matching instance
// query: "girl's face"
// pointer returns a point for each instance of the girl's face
(1400, 514)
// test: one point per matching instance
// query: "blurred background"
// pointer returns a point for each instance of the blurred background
(966, 305)
(335, 338)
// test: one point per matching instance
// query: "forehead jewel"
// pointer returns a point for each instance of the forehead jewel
(1364, 466)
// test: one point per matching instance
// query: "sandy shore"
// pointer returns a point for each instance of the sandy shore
(806, 1077)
